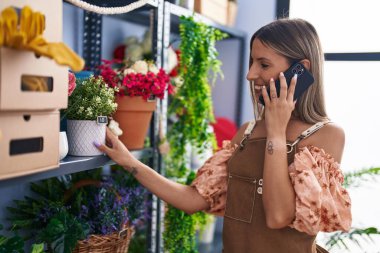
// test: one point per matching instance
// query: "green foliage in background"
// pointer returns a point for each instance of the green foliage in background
(180, 230)
(355, 235)
(14, 244)
(192, 103)
(192, 106)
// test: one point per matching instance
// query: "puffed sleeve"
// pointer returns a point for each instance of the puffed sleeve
(211, 179)
(322, 204)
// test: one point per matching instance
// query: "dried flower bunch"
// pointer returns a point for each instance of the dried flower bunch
(142, 78)
(91, 98)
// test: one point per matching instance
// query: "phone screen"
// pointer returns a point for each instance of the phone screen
(304, 80)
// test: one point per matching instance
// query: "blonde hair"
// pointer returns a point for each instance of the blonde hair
(297, 39)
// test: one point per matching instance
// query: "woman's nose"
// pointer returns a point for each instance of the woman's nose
(252, 74)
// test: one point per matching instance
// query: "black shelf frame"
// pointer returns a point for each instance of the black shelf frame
(150, 14)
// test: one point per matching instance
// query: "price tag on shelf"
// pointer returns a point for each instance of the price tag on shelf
(102, 120)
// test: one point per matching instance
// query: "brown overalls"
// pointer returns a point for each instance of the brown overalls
(245, 229)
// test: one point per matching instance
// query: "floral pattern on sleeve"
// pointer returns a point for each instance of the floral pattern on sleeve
(322, 204)
(211, 179)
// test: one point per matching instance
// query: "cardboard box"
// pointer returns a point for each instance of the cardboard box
(29, 143)
(232, 13)
(52, 9)
(18, 73)
(213, 9)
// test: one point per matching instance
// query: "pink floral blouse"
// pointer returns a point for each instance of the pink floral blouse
(322, 204)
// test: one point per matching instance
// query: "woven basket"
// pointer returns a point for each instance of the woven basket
(113, 243)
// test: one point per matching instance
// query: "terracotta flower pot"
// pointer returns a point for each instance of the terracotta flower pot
(134, 115)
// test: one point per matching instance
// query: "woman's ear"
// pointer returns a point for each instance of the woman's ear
(306, 63)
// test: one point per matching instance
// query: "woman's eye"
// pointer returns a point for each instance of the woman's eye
(264, 66)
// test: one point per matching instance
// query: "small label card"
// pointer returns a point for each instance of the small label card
(102, 120)
(152, 98)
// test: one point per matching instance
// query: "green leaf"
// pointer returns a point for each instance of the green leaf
(38, 248)
(356, 177)
(339, 239)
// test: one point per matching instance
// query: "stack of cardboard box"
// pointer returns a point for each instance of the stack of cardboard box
(221, 11)
(32, 90)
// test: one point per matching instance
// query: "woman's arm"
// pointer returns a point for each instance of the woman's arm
(183, 197)
(278, 192)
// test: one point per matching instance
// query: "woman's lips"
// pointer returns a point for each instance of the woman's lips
(258, 89)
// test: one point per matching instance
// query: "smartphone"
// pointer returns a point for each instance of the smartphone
(304, 80)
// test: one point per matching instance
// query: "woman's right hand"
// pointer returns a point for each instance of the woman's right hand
(116, 150)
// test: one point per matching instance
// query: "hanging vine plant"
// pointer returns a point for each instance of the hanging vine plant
(192, 106)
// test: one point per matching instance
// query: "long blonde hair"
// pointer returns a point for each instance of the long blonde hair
(297, 39)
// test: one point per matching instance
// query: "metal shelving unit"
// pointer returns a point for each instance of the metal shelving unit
(72, 164)
(149, 13)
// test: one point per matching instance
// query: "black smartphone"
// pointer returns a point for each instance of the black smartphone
(304, 80)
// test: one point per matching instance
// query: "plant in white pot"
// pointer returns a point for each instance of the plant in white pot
(87, 113)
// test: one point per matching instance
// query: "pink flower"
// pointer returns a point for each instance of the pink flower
(139, 82)
(72, 83)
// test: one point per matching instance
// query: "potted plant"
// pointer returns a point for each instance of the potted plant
(112, 212)
(91, 102)
(138, 84)
(82, 212)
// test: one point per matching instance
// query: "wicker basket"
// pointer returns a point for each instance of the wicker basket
(113, 243)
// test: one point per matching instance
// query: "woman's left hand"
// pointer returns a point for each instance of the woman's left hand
(279, 109)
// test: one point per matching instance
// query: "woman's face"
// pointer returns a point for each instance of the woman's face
(266, 64)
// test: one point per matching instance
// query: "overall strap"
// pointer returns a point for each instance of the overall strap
(248, 131)
(306, 134)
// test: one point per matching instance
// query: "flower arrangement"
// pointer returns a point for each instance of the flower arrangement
(133, 49)
(91, 98)
(142, 78)
(113, 206)
(60, 214)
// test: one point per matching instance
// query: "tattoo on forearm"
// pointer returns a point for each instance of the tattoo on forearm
(134, 171)
(270, 147)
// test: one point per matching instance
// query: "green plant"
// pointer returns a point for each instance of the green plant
(91, 98)
(355, 235)
(192, 106)
(353, 179)
(14, 244)
(192, 103)
(46, 219)
(67, 209)
(338, 239)
(62, 232)
(180, 229)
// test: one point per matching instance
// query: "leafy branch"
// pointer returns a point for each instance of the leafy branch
(339, 238)
(192, 105)
(354, 178)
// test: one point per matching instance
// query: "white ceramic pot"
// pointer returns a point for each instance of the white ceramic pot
(63, 145)
(208, 234)
(82, 134)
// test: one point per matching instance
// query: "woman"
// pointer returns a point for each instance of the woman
(278, 181)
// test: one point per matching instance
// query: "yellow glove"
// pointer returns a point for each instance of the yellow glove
(34, 83)
(29, 36)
